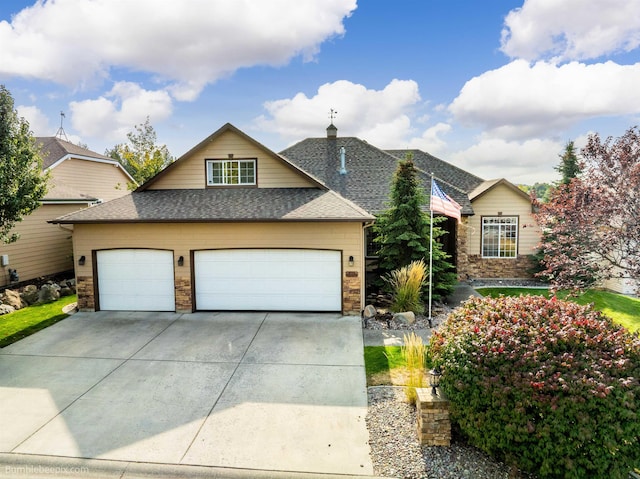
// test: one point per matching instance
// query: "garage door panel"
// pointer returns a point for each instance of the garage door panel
(302, 280)
(136, 280)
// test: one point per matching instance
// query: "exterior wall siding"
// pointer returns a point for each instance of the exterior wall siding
(190, 172)
(42, 249)
(101, 180)
(185, 238)
(501, 201)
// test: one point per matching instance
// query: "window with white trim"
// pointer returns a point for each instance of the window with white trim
(500, 237)
(231, 172)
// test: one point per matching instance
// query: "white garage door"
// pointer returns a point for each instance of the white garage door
(136, 280)
(268, 279)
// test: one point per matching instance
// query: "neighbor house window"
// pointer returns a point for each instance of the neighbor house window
(231, 172)
(499, 237)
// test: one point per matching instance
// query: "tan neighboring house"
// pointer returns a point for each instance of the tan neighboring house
(78, 178)
(232, 225)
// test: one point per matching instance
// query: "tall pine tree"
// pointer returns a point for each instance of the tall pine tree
(402, 231)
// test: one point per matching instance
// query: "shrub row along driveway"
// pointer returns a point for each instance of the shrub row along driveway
(273, 391)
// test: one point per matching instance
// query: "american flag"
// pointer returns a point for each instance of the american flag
(442, 203)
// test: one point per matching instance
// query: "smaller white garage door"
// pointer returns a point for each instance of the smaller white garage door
(136, 280)
(268, 279)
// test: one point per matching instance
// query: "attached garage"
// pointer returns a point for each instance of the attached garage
(135, 280)
(268, 280)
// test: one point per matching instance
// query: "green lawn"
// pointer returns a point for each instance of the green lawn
(624, 310)
(24, 322)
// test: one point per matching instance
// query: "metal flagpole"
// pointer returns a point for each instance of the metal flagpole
(431, 250)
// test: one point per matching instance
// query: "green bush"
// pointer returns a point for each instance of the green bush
(406, 284)
(549, 386)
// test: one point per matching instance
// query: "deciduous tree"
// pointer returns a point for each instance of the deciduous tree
(592, 224)
(22, 182)
(141, 156)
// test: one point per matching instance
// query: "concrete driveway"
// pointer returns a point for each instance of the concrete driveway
(259, 391)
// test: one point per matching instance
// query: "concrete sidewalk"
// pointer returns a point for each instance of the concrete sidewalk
(281, 392)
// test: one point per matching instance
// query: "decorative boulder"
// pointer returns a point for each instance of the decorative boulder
(369, 311)
(49, 293)
(13, 299)
(6, 309)
(30, 294)
(407, 317)
(65, 291)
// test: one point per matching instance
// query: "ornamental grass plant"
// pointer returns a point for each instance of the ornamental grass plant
(548, 386)
(406, 285)
(414, 352)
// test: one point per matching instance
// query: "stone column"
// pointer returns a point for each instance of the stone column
(434, 426)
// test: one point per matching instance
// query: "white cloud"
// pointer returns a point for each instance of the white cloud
(520, 100)
(571, 29)
(190, 43)
(380, 116)
(430, 140)
(38, 121)
(520, 162)
(112, 116)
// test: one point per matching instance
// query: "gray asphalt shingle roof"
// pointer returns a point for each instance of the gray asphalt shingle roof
(227, 204)
(53, 148)
(370, 171)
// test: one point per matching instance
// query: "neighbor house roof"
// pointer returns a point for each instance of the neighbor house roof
(55, 150)
(369, 171)
(207, 205)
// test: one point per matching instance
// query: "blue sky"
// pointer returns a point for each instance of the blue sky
(495, 87)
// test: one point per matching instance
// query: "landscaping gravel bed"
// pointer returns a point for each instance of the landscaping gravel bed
(396, 452)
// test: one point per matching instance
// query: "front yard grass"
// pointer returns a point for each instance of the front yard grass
(24, 322)
(623, 310)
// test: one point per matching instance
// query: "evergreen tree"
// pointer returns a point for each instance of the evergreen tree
(22, 182)
(402, 231)
(569, 167)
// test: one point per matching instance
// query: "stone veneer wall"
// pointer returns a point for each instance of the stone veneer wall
(474, 266)
(84, 288)
(184, 303)
(351, 290)
(514, 268)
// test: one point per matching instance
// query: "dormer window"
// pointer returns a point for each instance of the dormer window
(231, 172)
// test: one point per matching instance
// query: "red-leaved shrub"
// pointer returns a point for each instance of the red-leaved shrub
(546, 385)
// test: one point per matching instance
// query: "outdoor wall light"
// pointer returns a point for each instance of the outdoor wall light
(82, 260)
(350, 260)
(181, 261)
(434, 380)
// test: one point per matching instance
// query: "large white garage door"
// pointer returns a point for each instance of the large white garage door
(136, 280)
(268, 279)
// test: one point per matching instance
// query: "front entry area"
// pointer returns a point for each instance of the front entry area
(268, 280)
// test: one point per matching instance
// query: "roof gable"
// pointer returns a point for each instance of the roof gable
(489, 185)
(189, 170)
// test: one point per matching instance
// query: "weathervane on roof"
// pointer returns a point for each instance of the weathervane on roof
(332, 114)
(60, 133)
